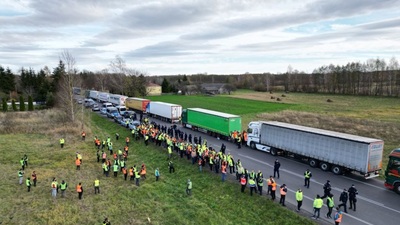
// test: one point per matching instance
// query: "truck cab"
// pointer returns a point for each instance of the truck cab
(253, 137)
(392, 173)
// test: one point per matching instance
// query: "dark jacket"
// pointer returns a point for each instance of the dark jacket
(343, 197)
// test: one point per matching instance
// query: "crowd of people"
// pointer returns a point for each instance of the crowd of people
(196, 150)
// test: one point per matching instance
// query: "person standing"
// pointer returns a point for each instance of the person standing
(62, 142)
(330, 203)
(83, 135)
(260, 184)
(79, 189)
(54, 187)
(277, 165)
(189, 187)
(171, 167)
(338, 216)
(34, 178)
(269, 184)
(327, 189)
(283, 191)
(243, 183)
(273, 190)
(78, 163)
(307, 177)
(96, 186)
(22, 162)
(157, 174)
(343, 198)
(223, 172)
(25, 160)
(124, 172)
(63, 188)
(137, 177)
(115, 169)
(318, 203)
(20, 176)
(353, 197)
(117, 136)
(299, 199)
(252, 185)
(28, 183)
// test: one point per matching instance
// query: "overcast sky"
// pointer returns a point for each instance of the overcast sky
(189, 37)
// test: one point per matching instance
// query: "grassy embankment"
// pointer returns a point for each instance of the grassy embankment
(377, 117)
(163, 202)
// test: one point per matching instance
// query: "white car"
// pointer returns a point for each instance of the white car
(103, 111)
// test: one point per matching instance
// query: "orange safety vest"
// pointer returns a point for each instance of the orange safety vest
(243, 181)
(115, 155)
(123, 170)
(127, 139)
(143, 172)
(126, 148)
(83, 134)
(130, 172)
(282, 192)
(269, 182)
(245, 136)
(273, 186)
(77, 162)
(104, 155)
(223, 168)
(78, 188)
(339, 219)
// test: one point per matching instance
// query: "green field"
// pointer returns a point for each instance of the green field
(162, 202)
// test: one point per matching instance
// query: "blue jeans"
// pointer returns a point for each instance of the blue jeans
(223, 176)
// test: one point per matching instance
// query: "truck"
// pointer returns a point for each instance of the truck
(217, 124)
(137, 104)
(117, 99)
(328, 150)
(93, 95)
(165, 111)
(103, 96)
(392, 173)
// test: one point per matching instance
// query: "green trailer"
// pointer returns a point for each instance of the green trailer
(214, 123)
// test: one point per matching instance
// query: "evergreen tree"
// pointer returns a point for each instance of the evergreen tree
(7, 82)
(14, 106)
(21, 103)
(5, 106)
(165, 88)
(30, 103)
(50, 99)
(58, 72)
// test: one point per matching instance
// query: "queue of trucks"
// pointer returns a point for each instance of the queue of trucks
(332, 151)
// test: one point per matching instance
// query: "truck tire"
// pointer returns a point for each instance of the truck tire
(252, 145)
(397, 188)
(274, 152)
(337, 170)
(313, 162)
(324, 166)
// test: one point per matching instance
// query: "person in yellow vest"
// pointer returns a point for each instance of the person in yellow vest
(317, 204)
(189, 187)
(137, 177)
(63, 187)
(54, 187)
(28, 183)
(62, 142)
(330, 203)
(307, 177)
(106, 221)
(79, 189)
(338, 216)
(252, 185)
(299, 199)
(96, 186)
(283, 191)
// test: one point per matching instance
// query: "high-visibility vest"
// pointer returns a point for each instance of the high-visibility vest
(282, 190)
(331, 202)
(96, 183)
(189, 185)
(299, 196)
(77, 162)
(123, 170)
(54, 184)
(273, 186)
(318, 203)
(269, 181)
(223, 169)
(243, 181)
(63, 186)
(307, 174)
(104, 155)
(28, 182)
(338, 217)
(83, 134)
(130, 172)
(115, 168)
(78, 188)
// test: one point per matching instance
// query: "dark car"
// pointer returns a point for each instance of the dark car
(129, 114)
(118, 118)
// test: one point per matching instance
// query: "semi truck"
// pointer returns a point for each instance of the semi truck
(217, 124)
(166, 111)
(103, 97)
(328, 150)
(93, 95)
(137, 104)
(392, 173)
(117, 99)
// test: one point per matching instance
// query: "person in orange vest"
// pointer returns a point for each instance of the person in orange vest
(131, 173)
(338, 216)
(79, 189)
(269, 185)
(83, 135)
(273, 189)
(143, 171)
(223, 172)
(243, 182)
(127, 141)
(283, 191)
(124, 172)
(78, 163)
(103, 157)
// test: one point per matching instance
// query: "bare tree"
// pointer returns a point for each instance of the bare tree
(69, 79)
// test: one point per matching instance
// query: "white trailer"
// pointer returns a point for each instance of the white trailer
(329, 150)
(103, 97)
(93, 95)
(163, 110)
(117, 99)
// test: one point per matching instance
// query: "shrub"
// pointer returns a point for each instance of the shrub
(14, 106)
(30, 103)
(21, 103)
(5, 106)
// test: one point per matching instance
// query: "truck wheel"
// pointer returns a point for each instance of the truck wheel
(324, 166)
(273, 151)
(397, 188)
(337, 170)
(313, 162)
(252, 145)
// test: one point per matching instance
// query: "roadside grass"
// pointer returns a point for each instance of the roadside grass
(162, 202)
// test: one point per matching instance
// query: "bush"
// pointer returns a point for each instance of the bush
(14, 106)
(30, 103)
(5, 106)
(50, 99)
(21, 103)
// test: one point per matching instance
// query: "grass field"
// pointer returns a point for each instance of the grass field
(162, 202)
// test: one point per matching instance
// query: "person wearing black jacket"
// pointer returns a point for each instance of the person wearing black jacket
(343, 198)
(352, 197)
(327, 189)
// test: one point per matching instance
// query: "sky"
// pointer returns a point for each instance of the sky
(199, 36)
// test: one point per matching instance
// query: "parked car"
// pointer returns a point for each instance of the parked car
(133, 124)
(103, 111)
(118, 118)
(95, 107)
(129, 114)
(112, 112)
(80, 101)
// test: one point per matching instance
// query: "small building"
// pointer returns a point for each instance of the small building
(213, 88)
(153, 89)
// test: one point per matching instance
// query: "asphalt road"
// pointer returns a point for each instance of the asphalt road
(375, 204)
